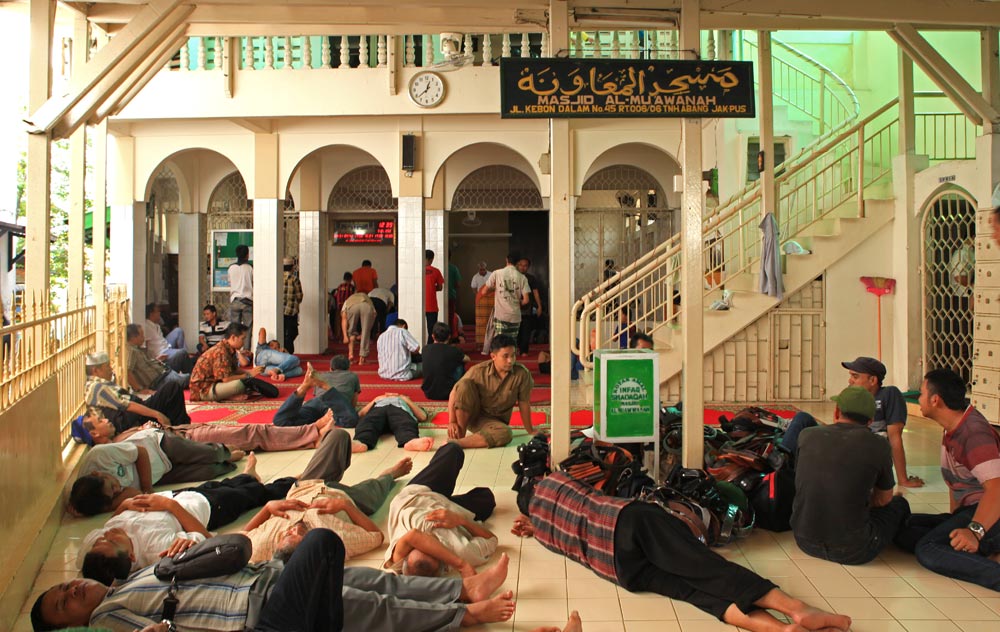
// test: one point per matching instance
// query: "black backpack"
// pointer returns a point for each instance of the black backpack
(215, 557)
(772, 500)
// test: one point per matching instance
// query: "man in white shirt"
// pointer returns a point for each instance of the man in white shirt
(512, 292)
(150, 526)
(480, 277)
(170, 349)
(396, 347)
(241, 290)
(432, 528)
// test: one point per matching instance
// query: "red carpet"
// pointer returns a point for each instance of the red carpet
(259, 417)
(211, 414)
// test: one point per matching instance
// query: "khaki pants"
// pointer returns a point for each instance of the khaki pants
(366, 314)
(225, 390)
(496, 431)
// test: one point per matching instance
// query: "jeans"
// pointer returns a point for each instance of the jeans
(928, 536)
(270, 358)
(884, 524)
(295, 411)
(183, 380)
(308, 594)
(801, 421)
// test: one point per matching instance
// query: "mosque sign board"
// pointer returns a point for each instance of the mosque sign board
(224, 244)
(626, 395)
(375, 232)
(620, 88)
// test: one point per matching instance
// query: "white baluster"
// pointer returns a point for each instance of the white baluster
(487, 49)
(286, 43)
(467, 44)
(654, 44)
(546, 50)
(218, 53)
(382, 54)
(307, 56)
(525, 45)
(615, 47)
(672, 44)
(409, 51)
(710, 46)
(428, 50)
(505, 47)
(598, 46)
(201, 54)
(345, 52)
(363, 52)
(326, 55)
(185, 56)
(248, 53)
(268, 52)
(633, 41)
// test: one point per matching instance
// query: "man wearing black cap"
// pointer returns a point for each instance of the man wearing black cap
(890, 411)
(844, 510)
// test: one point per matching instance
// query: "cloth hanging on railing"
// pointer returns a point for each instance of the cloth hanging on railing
(770, 259)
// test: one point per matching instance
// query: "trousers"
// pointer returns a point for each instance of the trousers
(927, 536)
(231, 497)
(192, 460)
(441, 474)
(374, 600)
(308, 594)
(295, 411)
(382, 419)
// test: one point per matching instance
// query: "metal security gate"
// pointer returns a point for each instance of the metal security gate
(621, 214)
(228, 208)
(947, 266)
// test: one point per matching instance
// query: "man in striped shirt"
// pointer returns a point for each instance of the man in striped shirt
(396, 347)
(640, 547)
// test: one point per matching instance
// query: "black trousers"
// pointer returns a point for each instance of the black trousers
(885, 524)
(441, 474)
(655, 552)
(381, 311)
(168, 399)
(231, 497)
(380, 420)
(193, 460)
(524, 333)
(308, 596)
(291, 332)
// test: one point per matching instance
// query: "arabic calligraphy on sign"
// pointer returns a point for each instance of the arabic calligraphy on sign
(532, 88)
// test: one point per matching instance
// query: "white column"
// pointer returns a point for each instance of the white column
(77, 172)
(434, 240)
(190, 259)
(99, 283)
(128, 253)
(561, 209)
(314, 230)
(907, 333)
(268, 250)
(692, 281)
(39, 155)
(766, 118)
(410, 275)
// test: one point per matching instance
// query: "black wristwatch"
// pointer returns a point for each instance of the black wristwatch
(977, 529)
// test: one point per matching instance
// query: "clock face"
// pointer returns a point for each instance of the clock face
(426, 89)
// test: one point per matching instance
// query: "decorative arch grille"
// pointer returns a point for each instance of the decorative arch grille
(497, 188)
(363, 189)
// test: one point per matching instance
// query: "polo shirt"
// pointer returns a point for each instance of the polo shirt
(213, 333)
(497, 395)
(970, 456)
(890, 408)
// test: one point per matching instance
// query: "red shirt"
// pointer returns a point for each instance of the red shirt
(364, 279)
(433, 281)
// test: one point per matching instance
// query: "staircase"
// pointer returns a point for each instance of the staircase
(830, 198)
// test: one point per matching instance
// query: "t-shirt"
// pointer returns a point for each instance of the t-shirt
(970, 456)
(156, 344)
(394, 348)
(533, 285)
(153, 531)
(409, 509)
(355, 299)
(116, 459)
(240, 282)
(213, 333)
(383, 295)
(345, 382)
(433, 281)
(150, 439)
(479, 280)
(439, 362)
(890, 408)
(510, 286)
(454, 278)
(836, 469)
(962, 264)
(365, 278)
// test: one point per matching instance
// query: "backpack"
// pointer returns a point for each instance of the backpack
(772, 500)
(730, 514)
(214, 557)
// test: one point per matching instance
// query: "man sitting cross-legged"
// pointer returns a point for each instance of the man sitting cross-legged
(276, 361)
(116, 471)
(319, 500)
(148, 527)
(95, 430)
(482, 401)
(395, 413)
(124, 409)
(296, 411)
(432, 528)
(217, 376)
(304, 594)
(640, 547)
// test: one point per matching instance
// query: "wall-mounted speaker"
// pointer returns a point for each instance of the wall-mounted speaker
(409, 152)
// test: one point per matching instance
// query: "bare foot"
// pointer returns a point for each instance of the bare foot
(500, 608)
(362, 360)
(311, 379)
(357, 446)
(236, 455)
(324, 423)
(420, 444)
(251, 466)
(242, 397)
(481, 586)
(402, 468)
(815, 619)
(277, 375)
(574, 624)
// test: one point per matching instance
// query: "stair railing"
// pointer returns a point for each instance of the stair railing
(809, 187)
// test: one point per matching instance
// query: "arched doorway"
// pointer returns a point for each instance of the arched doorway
(948, 265)
(622, 212)
(161, 240)
(229, 208)
(361, 196)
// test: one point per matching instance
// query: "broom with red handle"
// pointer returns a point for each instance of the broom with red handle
(879, 286)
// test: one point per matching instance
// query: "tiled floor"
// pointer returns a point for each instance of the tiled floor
(891, 594)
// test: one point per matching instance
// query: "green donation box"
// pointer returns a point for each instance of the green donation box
(626, 395)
